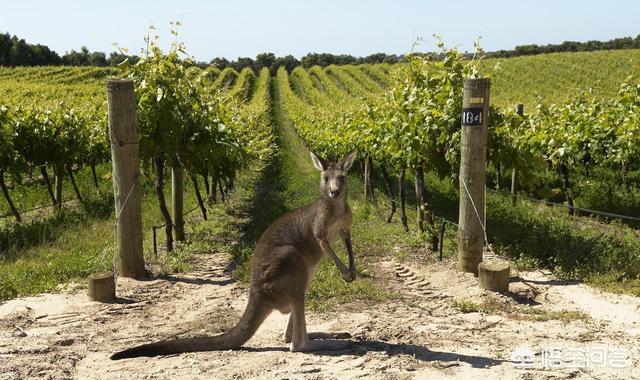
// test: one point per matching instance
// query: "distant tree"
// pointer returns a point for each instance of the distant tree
(267, 60)
(391, 59)
(220, 62)
(309, 60)
(97, 58)
(288, 61)
(242, 62)
(313, 59)
(375, 58)
(116, 58)
(19, 53)
(344, 59)
(76, 58)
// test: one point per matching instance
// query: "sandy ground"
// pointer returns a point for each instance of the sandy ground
(417, 335)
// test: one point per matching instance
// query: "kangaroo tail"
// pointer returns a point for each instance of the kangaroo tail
(252, 318)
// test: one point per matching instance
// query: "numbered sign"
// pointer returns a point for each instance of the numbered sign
(472, 116)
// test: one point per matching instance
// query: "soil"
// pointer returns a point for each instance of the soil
(418, 334)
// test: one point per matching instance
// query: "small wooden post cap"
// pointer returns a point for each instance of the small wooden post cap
(102, 287)
(493, 274)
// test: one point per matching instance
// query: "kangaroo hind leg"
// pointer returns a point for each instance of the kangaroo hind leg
(300, 341)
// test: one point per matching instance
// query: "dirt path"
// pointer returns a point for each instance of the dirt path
(420, 334)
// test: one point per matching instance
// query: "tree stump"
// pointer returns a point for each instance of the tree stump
(102, 287)
(493, 274)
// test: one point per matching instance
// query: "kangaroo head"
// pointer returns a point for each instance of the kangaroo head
(333, 177)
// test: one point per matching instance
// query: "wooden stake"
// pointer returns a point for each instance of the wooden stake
(473, 146)
(493, 275)
(123, 133)
(102, 287)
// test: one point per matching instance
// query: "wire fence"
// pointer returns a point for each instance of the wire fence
(443, 223)
(10, 214)
(584, 211)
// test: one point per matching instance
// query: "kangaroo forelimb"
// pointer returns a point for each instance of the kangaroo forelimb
(344, 271)
(346, 237)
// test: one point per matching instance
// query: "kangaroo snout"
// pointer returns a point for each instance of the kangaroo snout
(334, 193)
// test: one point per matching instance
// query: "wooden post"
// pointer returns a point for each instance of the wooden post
(473, 146)
(102, 287)
(514, 173)
(123, 134)
(494, 275)
(177, 201)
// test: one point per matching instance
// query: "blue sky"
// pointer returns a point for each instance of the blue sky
(247, 27)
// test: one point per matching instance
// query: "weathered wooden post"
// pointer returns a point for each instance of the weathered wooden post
(514, 173)
(473, 146)
(123, 134)
(493, 274)
(177, 201)
(102, 287)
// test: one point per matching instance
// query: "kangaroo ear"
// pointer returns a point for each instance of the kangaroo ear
(318, 162)
(347, 161)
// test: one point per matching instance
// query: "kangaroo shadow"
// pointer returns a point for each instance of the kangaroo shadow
(361, 347)
(188, 280)
(198, 281)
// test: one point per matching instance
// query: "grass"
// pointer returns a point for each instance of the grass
(492, 306)
(616, 284)
(467, 306)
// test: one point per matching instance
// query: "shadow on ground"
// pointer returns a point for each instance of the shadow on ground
(361, 347)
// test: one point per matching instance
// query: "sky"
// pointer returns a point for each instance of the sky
(234, 28)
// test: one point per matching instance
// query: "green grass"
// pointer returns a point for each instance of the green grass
(542, 315)
(537, 314)
(467, 306)
(616, 283)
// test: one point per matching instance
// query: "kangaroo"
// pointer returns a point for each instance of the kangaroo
(282, 267)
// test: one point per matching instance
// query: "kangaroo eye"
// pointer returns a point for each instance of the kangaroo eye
(341, 178)
(326, 179)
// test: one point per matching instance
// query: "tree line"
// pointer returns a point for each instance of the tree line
(17, 52)
(569, 46)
